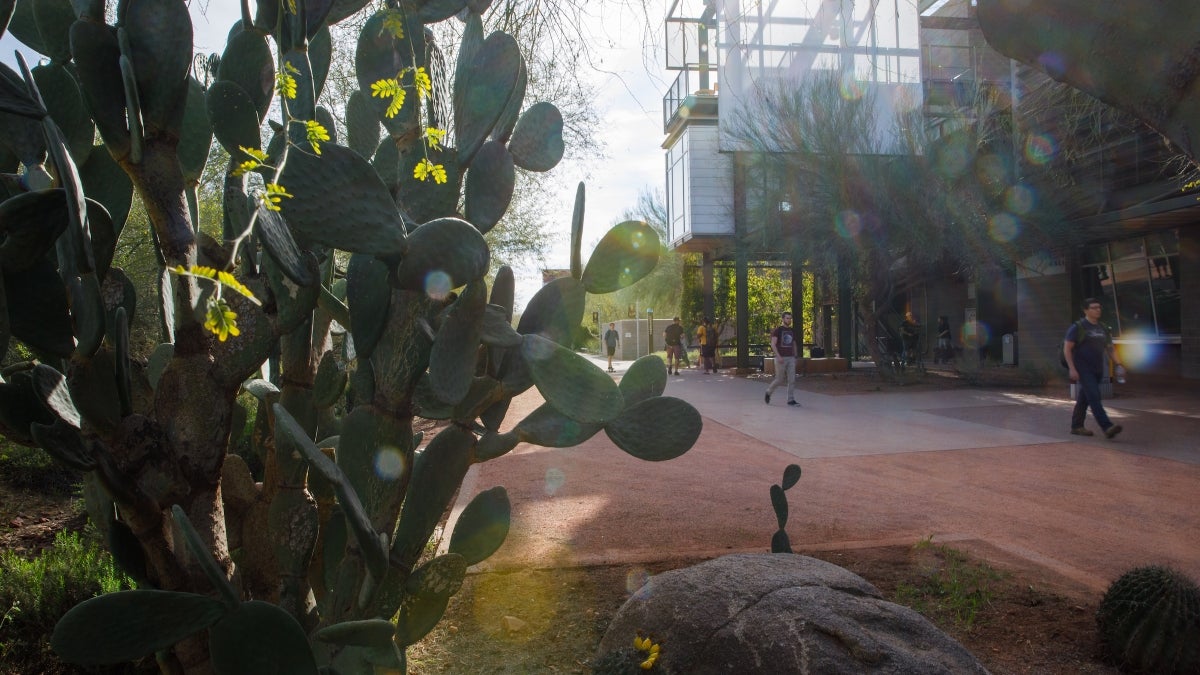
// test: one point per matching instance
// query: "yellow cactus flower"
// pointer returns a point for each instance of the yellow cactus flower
(273, 196)
(426, 168)
(221, 277)
(285, 84)
(422, 82)
(257, 159)
(390, 88)
(316, 133)
(393, 22)
(221, 320)
(434, 137)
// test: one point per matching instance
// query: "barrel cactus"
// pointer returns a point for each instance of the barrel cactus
(347, 295)
(1149, 621)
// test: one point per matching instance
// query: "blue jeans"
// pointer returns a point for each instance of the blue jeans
(1089, 397)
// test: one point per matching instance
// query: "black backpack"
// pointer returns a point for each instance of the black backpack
(1082, 335)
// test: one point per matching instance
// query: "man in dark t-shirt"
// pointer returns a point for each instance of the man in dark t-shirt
(783, 344)
(611, 337)
(1085, 347)
(673, 336)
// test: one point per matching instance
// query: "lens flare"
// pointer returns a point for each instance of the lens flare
(389, 464)
(635, 578)
(555, 479)
(1139, 355)
(1004, 227)
(1039, 149)
(851, 88)
(437, 285)
(1020, 199)
(1053, 63)
(991, 170)
(983, 334)
(848, 224)
(953, 160)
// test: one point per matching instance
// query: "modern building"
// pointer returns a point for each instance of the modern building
(1134, 238)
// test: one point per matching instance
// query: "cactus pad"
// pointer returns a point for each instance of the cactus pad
(537, 142)
(548, 427)
(571, 383)
(128, 625)
(646, 378)
(259, 637)
(656, 429)
(626, 254)
(490, 183)
(482, 526)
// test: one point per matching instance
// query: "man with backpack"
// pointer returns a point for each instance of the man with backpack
(1085, 347)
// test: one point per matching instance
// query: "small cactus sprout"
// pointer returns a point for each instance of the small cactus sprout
(779, 541)
(1149, 622)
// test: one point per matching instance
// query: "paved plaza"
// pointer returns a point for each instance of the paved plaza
(991, 470)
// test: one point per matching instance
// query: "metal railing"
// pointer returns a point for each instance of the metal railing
(680, 89)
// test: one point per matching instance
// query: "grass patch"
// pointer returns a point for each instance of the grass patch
(950, 584)
(36, 592)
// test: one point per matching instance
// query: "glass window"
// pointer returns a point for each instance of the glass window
(1135, 309)
(1137, 281)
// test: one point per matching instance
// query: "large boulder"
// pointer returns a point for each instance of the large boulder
(776, 613)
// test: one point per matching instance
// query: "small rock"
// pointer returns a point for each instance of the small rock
(512, 624)
(16, 522)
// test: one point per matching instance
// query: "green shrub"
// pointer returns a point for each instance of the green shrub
(34, 468)
(36, 592)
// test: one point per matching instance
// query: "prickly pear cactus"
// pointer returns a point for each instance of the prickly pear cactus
(347, 296)
(1149, 621)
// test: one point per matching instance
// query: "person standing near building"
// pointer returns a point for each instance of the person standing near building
(673, 337)
(707, 336)
(610, 341)
(910, 335)
(783, 345)
(1085, 347)
(943, 352)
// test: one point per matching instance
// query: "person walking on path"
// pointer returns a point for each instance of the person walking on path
(610, 341)
(1085, 347)
(783, 344)
(673, 337)
(707, 336)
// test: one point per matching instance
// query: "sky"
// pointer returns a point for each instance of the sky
(629, 100)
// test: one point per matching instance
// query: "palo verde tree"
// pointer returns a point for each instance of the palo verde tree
(890, 217)
(316, 564)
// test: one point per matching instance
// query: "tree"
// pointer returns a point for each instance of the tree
(893, 217)
(1136, 56)
(319, 560)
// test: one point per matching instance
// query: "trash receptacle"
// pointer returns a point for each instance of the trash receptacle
(1009, 342)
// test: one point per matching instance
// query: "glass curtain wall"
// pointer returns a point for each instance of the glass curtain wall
(1137, 280)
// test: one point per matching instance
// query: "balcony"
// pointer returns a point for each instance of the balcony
(683, 102)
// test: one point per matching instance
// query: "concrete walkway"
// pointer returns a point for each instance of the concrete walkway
(994, 471)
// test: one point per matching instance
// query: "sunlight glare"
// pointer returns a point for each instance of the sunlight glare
(1040, 149)
(437, 285)
(848, 224)
(389, 463)
(1004, 227)
(555, 479)
(1020, 199)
